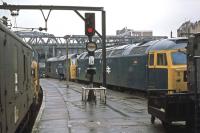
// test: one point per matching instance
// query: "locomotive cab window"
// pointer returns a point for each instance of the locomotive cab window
(179, 58)
(161, 59)
(151, 59)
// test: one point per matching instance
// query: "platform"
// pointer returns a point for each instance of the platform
(63, 111)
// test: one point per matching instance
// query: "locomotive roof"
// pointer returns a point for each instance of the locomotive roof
(129, 48)
(7, 31)
(61, 58)
(139, 48)
(145, 47)
(167, 44)
(82, 55)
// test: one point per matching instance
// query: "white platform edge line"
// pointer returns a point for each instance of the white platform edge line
(36, 124)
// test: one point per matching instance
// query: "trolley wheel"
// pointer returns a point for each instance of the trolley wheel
(153, 119)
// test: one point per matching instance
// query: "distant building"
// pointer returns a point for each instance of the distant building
(131, 32)
(188, 27)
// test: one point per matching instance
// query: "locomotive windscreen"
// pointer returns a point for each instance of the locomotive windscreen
(179, 58)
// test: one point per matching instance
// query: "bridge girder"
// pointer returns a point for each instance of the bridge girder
(39, 39)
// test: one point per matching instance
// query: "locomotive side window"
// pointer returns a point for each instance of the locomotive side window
(151, 59)
(161, 59)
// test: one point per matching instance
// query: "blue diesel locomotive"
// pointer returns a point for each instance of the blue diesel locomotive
(159, 64)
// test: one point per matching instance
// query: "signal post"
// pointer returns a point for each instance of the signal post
(90, 47)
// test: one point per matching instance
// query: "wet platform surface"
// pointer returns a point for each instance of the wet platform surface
(63, 111)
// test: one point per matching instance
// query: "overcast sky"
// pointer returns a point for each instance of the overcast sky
(160, 16)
